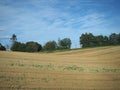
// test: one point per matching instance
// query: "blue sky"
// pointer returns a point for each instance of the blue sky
(45, 20)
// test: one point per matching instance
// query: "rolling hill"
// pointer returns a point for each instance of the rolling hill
(82, 69)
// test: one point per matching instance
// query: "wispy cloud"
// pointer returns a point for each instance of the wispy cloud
(43, 20)
(92, 20)
(45, 17)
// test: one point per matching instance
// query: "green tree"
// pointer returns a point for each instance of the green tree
(50, 45)
(2, 48)
(119, 38)
(33, 47)
(101, 40)
(105, 41)
(64, 43)
(114, 39)
(28, 47)
(18, 46)
(87, 40)
(22, 47)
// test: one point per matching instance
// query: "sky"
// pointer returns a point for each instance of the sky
(47, 20)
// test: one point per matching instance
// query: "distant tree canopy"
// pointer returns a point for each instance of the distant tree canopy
(2, 48)
(89, 40)
(64, 43)
(28, 47)
(86, 40)
(50, 45)
(114, 39)
(33, 47)
(17, 46)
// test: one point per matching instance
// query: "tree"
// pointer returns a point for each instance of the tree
(119, 38)
(33, 47)
(2, 47)
(105, 41)
(50, 45)
(64, 43)
(17, 46)
(102, 40)
(87, 40)
(114, 39)
(28, 47)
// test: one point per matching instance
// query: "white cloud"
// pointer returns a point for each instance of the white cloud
(44, 20)
(92, 20)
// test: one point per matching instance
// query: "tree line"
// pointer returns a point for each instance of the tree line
(32, 46)
(86, 40)
(89, 40)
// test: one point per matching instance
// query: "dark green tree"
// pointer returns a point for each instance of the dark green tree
(2, 48)
(33, 47)
(119, 38)
(105, 41)
(101, 40)
(50, 46)
(87, 40)
(28, 47)
(18, 46)
(114, 39)
(64, 43)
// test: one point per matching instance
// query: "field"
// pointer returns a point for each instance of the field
(82, 69)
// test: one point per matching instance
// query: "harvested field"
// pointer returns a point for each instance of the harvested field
(83, 69)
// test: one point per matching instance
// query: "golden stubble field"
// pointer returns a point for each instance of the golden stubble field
(84, 69)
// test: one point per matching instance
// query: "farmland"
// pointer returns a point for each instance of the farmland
(82, 69)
